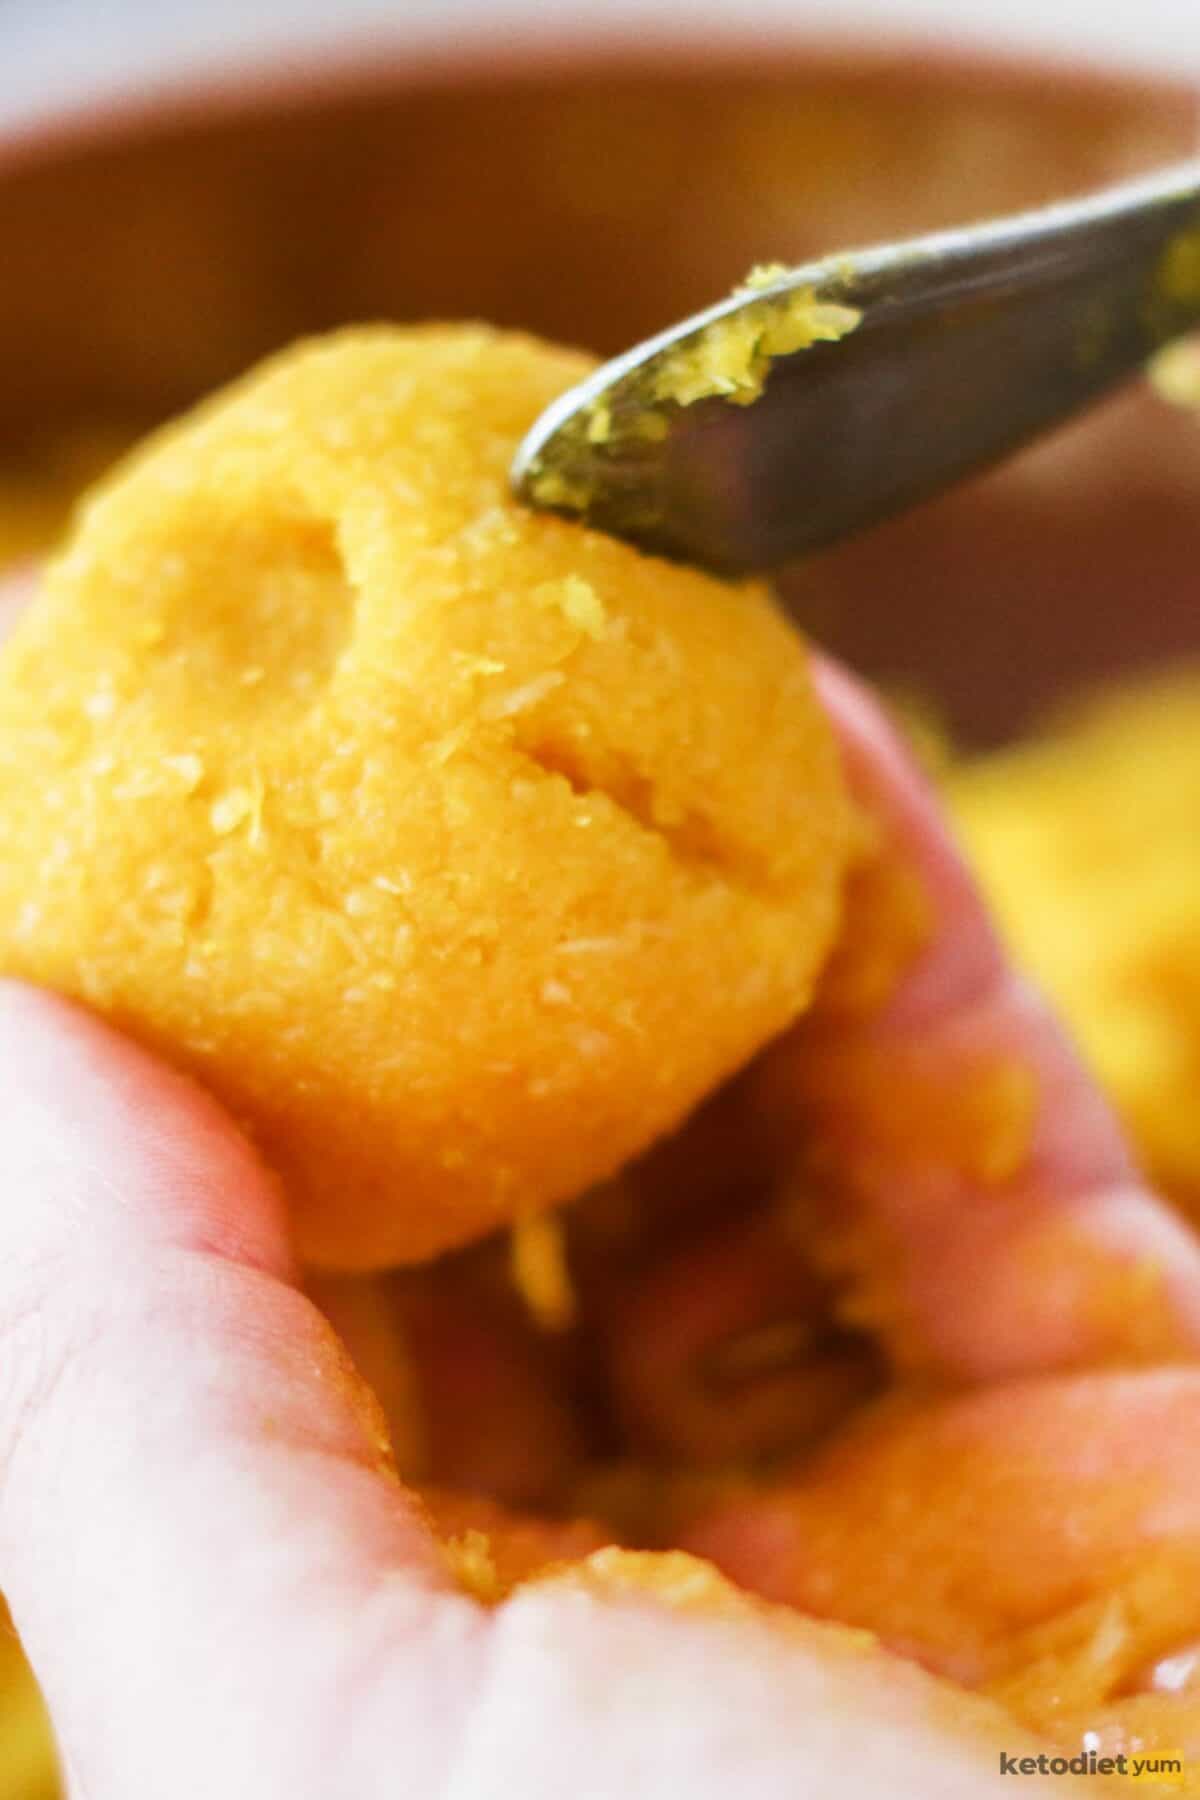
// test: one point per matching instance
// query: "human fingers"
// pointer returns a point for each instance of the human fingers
(944, 1181)
(200, 1538)
(978, 1189)
(955, 1527)
(220, 1584)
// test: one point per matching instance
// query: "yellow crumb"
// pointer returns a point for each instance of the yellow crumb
(731, 358)
(578, 602)
(540, 1272)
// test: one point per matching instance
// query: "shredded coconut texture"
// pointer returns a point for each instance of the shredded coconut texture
(320, 758)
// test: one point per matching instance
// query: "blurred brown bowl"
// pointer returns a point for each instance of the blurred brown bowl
(151, 251)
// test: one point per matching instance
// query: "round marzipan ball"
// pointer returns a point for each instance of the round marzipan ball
(458, 849)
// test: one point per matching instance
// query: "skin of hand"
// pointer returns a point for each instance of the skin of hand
(225, 1590)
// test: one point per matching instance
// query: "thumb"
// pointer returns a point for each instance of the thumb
(200, 1538)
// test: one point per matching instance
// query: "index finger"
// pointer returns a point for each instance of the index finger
(970, 1179)
(199, 1535)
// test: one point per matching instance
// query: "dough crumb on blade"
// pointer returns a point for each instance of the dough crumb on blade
(456, 897)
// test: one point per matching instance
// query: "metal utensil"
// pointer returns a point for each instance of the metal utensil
(721, 443)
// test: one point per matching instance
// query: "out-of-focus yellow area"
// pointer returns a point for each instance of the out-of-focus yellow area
(28, 1766)
(1087, 841)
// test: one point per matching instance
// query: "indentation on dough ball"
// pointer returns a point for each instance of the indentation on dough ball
(278, 608)
(691, 837)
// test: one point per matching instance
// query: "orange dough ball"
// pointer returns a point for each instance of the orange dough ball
(458, 849)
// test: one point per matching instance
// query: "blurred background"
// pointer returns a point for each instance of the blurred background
(56, 51)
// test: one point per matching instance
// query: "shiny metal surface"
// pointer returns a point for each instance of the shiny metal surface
(970, 343)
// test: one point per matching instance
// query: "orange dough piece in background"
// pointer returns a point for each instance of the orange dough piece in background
(1085, 841)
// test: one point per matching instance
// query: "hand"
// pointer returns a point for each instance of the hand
(16, 584)
(222, 1586)
(1036, 1471)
